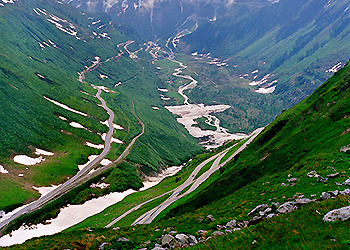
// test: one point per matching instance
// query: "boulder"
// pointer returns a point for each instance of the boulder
(347, 182)
(182, 238)
(338, 214)
(231, 224)
(192, 240)
(303, 201)
(257, 209)
(286, 208)
(158, 248)
(202, 232)
(210, 217)
(168, 241)
(325, 196)
(123, 239)
(269, 216)
(345, 148)
(312, 174)
(334, 193)
(217, 233)
(242, 224)
(346, 191)
(255, 220)
(332, 176)
(321, 179)
(275, 205)
(292, 180)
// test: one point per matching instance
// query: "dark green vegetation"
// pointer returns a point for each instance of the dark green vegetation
(37, 59)
(305, 138)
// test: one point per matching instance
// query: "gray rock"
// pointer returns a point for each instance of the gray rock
(123, 239)
(334, 193)
(332, 176)
(192, 240)
(257, 209)
(347, 182)
(312, 174)
(157, 245)
(338, 214)
(202, 232)
(321, 179)
(325, 196)
(236, 229)
(303, 201)
(116, 228)
(102, 246)
(231, 224)
(210, 217)
(255, 220)
(345, 148)
(292, 180)
(173, 232)
(220, 226)
(168, 241)
(346, 191)
(266, 211)
(217, 233)
(182, 238)
(158, 248)
(242, 224)
(275, 205)
(286, 208)
(269, 216)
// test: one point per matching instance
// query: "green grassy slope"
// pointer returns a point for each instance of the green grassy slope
(305, 138)
(28, 121)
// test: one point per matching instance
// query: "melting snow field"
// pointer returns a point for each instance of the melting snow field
(76, 125)
(74, 214)
(43, 152)
(266, 90)
(189, 113)
(116, 126)
(91, 145)
(28, 161)
(65, 107)
(45, 190)
(3, 170)
(104, 162)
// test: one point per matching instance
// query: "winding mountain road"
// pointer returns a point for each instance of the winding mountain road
(148, 217)
(71, 183)
(83, 175)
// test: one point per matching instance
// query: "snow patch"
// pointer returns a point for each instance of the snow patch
(91, 145)
(65, 107)
(266, 90)
(189, 113)
(28, 161)
(76, 125)
(43, 152)
(3, 170)
(45, 190)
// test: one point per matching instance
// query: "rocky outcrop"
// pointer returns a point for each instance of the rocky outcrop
(168, 241)
(258, 209)
(345, 148)
(338, 214)
(286, 208)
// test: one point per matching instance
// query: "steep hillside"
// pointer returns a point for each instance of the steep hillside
(293, 45)
(299, 162)
(159, 19)
(44, 106)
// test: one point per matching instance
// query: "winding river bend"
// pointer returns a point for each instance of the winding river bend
(190, 112)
